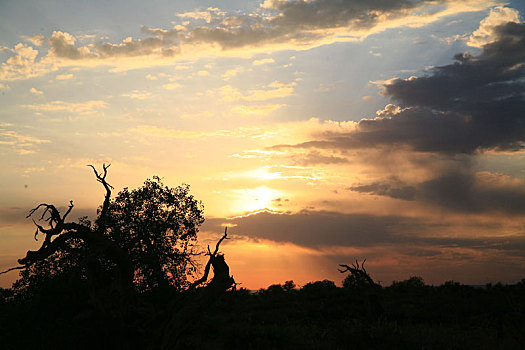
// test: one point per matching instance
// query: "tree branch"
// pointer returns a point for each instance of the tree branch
(213, 255)
(101, 220)
(11, 269)
(358, 272)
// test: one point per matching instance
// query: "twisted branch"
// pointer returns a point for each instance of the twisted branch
(101, 220)
(359, 272)
(210, 262)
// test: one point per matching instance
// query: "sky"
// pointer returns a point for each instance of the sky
(318, 131)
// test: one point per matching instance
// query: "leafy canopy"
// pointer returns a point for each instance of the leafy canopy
(157, 226)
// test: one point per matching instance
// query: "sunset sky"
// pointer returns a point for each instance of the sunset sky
(320, 131)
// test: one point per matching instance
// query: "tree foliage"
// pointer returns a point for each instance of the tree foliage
(157, 226)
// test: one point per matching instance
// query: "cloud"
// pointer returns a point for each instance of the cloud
(19, 143)
(389, 110)
(318, 229)
(463, 191)
(458, 190)
(472, 105)
(35, 91)
(230, 73)
(487, 31)
(138, 95)
(159, 132)
(393, 188)
(172, 86)
(273, 91)
(263, 61)
(13, 137)
(23, 64)
(321, 228)
(290, 25)
(281, 84)
(64, 76)
(256, 110)
(316, 158)
(36, 40)
(62, 45)
(263, 95)
(71, 107)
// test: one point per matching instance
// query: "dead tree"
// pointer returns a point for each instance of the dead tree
(365, 284)
(196, 300)
(60, 233)
(359, 274)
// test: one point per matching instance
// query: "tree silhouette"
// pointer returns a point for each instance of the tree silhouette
(81, 246)
(144, 237)
(359, 280)
(141, 241)
(157, 226)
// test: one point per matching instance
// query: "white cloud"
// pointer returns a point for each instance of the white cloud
(263, 61)
(138, 95)
(61, 106)
(230, 73)
(256, 110)
(23, 64)
(277, 90)
(64, 76)
(36, 40)
(35, 91)
(485, 33)
(389, 110)
(19, 143)
(172, 86)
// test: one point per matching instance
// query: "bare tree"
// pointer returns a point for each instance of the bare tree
(60, 233)
(358, 274)
(360, 280)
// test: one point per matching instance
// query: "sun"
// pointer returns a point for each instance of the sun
(250, 199)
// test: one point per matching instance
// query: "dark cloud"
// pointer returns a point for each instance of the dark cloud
(392, 188)
(287, 21)
(63, 45)
(318, 228)
(476, 103)
(410, 236)
(315, 158)
(464, 192)
(138, 47)
(458, 190)
(331, 14)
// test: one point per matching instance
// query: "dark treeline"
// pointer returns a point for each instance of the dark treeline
(319, 315)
